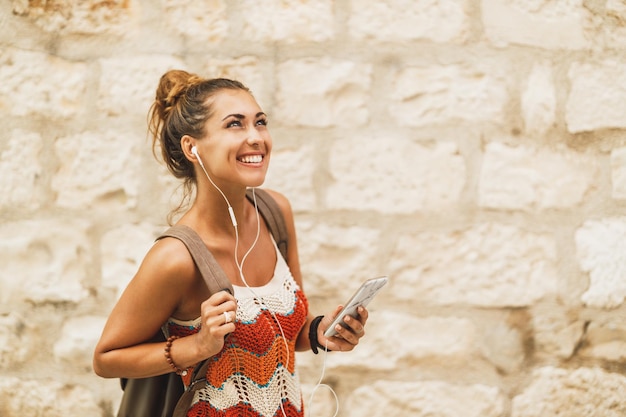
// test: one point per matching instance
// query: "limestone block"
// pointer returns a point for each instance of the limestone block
(579, 392)
(606, 340)
(77, 17)
(503, 341)
(248, 70)
(439, 94)
(323, 92)
(43, 261)
(489, 265)
(290, 22)
(29, 397)
(432, 341)
(128, 84)
(399, 20)
(425, 399)
(539, 100)
(122, 251)
(601, 251)
(597, 99)
(336, 259)
(15, 341)
(203, 21)
(34, 83)
(544, 24)
(291, 173)
(163, 194)
(618, 173)
(394, 175)
(531, 178)
(556, 332)
(78, 340)
(98, 170)
(605, 24)
(21, 170)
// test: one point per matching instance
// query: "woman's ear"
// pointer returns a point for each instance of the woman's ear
(188, 145)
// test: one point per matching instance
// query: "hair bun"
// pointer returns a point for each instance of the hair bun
(172, 87)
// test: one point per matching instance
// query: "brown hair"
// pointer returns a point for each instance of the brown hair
(182, 107)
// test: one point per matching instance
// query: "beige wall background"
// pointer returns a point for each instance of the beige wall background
(473, 150)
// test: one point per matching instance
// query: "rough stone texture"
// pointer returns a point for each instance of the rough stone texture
(539, 100)
(439, 21)
(36, 268)
(79, 17)
(601, 246)
(78, 337)
(446, 94)
(20, 183)
(519, 177)
(581, 392)
(597, 98)
(97, 172)
(472, 150)
(455, 347)
(204, 21)
(122, 251)
(14, 343)
(426, 398)
(606, 340)
(394, 174)
(487, 265)
(24, 397)
(306, 21)
(549, 24)
(127, 84)
(557, 332)
(618, 173)
(40, 84)
(335, 92)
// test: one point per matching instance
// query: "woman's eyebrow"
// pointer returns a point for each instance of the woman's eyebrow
(241, 116)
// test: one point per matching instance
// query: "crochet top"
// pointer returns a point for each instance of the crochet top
(255, 373)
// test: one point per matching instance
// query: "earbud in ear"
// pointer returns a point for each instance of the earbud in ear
(194, 151)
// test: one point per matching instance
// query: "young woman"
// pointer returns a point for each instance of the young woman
(213, 135)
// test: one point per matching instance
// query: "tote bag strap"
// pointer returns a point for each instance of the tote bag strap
(211, 271)
(273, 217)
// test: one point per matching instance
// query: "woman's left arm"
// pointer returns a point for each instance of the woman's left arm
(346, 339)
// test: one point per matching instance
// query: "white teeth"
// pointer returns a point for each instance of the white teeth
(252, 159)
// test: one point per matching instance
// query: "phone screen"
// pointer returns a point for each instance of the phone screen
(361, 297)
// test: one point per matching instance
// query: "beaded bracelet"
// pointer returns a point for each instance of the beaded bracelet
(168, 356)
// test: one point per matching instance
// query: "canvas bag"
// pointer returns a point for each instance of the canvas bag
(164, 395)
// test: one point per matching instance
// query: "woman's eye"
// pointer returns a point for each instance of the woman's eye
(234, 123)
(262, 122)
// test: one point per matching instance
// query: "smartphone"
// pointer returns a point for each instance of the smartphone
(361, 297)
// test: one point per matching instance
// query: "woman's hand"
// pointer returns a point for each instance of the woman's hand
(346, 338)
(218, 315)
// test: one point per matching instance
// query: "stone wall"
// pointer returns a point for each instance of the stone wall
(473, 150)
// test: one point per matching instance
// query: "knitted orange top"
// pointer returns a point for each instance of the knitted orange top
(255, 375)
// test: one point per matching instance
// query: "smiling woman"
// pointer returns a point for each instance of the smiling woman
(214, 136)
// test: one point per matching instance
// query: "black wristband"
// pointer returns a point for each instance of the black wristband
(315, 323)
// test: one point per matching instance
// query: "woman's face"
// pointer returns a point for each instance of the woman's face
(237, 144)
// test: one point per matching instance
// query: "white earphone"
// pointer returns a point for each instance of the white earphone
(233, 219)
(194, 151)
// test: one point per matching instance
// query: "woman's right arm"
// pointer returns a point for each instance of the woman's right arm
(155, 293)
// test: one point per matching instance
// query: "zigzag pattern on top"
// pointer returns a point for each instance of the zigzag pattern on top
(255, 372)
(243, 410)
(280, 302)
(239, 389)
(257, 337)
(259, 369)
